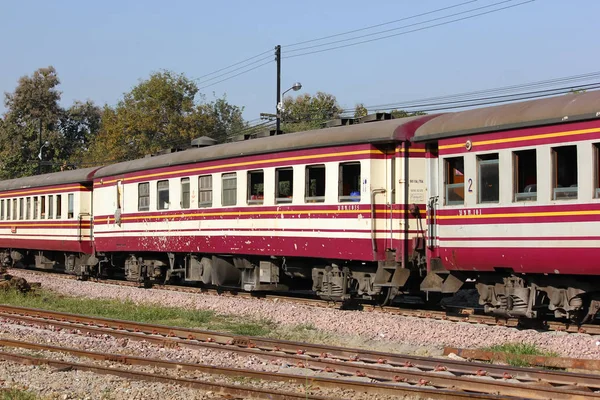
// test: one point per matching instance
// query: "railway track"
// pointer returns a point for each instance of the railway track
(437, 378)
(465, 315)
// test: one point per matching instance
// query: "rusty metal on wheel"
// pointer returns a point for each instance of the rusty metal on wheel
(381, 367)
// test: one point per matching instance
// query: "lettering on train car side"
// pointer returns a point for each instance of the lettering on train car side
(348, 207)
(475, 211)
(470, 185)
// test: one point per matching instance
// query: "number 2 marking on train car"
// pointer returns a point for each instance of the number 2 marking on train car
(470, 185)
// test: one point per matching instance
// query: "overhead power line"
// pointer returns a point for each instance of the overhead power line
(411, 31)
(378, 25)
(235, 69)
(233, 65)
(236, 75)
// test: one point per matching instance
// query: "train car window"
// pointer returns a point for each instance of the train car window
(21, 207)
(144, 196)
(315, 184)
(50, 207)
(42, 207)
(349, 182)
(162, 195)
(58, 206)
(185, 193)
(8, 209)
(1, 209)
(28, 208)
(489, 178)
(70, 206)
(284, 185)
(205, 191)
(256, 187)
(564, 166)
(229, 183)
(455, 180)
(35, 207)
(525, 175)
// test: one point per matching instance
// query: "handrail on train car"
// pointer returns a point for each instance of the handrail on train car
(373, 242)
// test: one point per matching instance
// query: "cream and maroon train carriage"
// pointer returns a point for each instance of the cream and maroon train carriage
(330, 205)
(45, 220)
(515, 195)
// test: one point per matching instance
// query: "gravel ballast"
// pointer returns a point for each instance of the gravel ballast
(372, 329)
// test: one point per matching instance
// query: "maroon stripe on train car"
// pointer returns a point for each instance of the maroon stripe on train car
(522, 238)
(200, 231)
(258, 161)
(317, 247)
(555, 260)
(503, 138)
(71, 246)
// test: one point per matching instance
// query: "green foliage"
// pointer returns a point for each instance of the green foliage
(16, 394)
(360, 111)
(516, 351)
(307, 112)
(161, 113)
(404, 114)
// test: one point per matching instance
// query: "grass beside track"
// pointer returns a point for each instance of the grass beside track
(128, 310)
(16, 394)
(515, 352)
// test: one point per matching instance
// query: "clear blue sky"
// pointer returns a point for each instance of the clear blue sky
(102, 49)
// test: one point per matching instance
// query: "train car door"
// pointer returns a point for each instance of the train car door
(119, 193)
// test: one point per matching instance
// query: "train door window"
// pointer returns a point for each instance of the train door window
(256, 187)
(28, 208)
(42, 207)
(315, 184)
(525, 175)
(489, 178)
(144, 196)
(58, 206)
(185, 193)
(284, 185)
(119, 188)
(455, 180)
(162, 195)
(205, 191)
(564, 160)
(1, 209)
(21, 207)
(70, 206)
(349, 182)
(229, 183)
(35, 207)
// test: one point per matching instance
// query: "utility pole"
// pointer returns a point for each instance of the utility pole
(278, 61)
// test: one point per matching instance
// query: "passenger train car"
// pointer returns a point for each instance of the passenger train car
(504, 197)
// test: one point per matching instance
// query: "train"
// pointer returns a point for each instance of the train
(505, 199)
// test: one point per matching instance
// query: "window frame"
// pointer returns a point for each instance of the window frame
(202, 189)
(278, 198)
(447, 171)
(21, 208)
(71, 206)
(35, 207)
(516, 161)
(596, 172)
(8, 209)
(348, 198)
(185, 194)
(230, 176)
(2, 210)
(555, 170)
(158, 193)
(145, 196)
(50, 206)
(250, 174)
(28, 208)
(307, 184)
(484, 160)
(58, 206)
(43, 202)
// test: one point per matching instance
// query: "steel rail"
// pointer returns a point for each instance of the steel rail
(377, 365)
(357, 386)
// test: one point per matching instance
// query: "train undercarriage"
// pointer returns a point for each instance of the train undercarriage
(503, 295)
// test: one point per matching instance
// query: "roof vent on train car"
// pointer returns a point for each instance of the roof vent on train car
(375, 117)
(203, 141)
(253, 135)
(339, 122)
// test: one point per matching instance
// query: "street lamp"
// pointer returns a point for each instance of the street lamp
(46, 144)
(297, 86)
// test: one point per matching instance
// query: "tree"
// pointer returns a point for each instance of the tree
(360, 110)
(159, 113)
(404, 114)
(307, 112)
(33, 105)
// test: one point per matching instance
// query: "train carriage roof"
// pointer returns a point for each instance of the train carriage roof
(393, 130)
(84, 175)
(560, 109)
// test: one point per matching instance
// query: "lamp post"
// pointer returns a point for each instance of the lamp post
(297, 86)
(46, 144)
